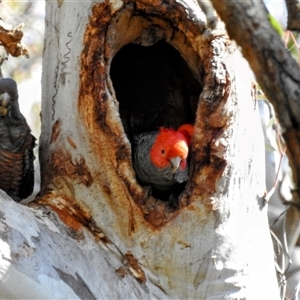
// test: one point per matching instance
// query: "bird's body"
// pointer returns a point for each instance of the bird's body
(160, 158)
(16, 145)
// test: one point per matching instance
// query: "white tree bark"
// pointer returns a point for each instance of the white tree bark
(91, 234)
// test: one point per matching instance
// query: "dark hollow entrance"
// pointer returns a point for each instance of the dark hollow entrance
(154, 87)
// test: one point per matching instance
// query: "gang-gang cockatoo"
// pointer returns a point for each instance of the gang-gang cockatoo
(160, 159)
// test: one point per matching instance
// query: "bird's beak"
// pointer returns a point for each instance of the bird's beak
(4, 101)
(175, 161)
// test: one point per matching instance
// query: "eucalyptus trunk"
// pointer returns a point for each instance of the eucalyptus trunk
(110, 70)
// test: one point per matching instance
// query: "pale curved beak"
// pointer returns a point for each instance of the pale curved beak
(175, 161)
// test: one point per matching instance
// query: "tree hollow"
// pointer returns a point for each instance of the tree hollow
(154, 87)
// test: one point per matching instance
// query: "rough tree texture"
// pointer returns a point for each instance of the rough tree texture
(11, 37)
(293, 7)
(92, 233)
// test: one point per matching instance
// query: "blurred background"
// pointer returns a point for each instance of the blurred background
(27, 74)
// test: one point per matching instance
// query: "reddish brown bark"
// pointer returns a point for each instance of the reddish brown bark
(10, 38)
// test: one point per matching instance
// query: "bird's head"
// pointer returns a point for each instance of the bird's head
(9, 105)
(170, 149)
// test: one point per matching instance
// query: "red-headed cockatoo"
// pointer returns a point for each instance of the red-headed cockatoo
(160, 158)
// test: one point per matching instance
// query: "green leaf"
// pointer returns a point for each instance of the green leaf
(276, 25)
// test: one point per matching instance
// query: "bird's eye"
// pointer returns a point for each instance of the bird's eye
(163, 151)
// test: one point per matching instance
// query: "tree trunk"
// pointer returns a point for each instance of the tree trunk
(276, 71)
(110, 70)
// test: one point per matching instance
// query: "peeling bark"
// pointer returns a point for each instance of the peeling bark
(41, 260)
(10, 38)
(110, 238)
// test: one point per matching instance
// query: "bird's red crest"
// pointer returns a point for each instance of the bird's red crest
(187, 130)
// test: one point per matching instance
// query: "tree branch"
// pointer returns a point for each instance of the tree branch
(293, 7)
(10, 39)
(210, 13)
(276, 71)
